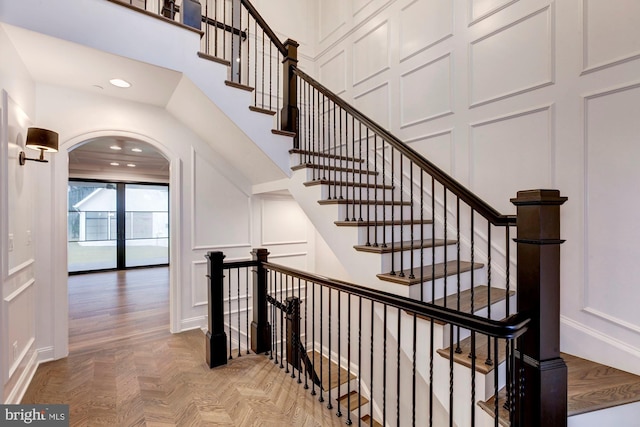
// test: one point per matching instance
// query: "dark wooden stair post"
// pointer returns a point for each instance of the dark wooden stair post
(216, 339)
(290, 111)
(260, 328)
(542, 400)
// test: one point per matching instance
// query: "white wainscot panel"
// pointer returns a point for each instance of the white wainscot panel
(514, 59)
(612, 129)
(425, 92)
(297, 261)
(611, 33)
(510, 154)
(482, 8)
(20, 309)
(199, 283)
(436, 148)
(333, 73)
(375, 104)
(424, 23)
(371, 53)
(332, 17)
(358, 5)
(283, 222)
(220, 209)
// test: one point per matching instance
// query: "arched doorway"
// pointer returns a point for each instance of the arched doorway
(118, 206)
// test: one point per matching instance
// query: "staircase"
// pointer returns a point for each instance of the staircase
(403, 231)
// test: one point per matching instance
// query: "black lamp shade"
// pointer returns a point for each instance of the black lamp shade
(42, 139)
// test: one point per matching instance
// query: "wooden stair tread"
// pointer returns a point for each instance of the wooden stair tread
(347, 184)
(334, 169)
(353, 400)
(325, 155)
(408, 245)
(214, 59)
(262, 110)
(366, 419)
(238, 86)
(592, 386)
(451, 268)
(328, 382)
(283, 133)
(364, 202)
(481, 353)
(380, 223)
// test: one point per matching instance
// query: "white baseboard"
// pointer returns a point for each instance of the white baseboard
(582, 341)
(193, 323)
(20, 388)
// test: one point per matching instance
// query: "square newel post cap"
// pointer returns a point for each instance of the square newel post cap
(538, 197)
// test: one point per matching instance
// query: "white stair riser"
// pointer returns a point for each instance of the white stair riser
(425, 256)
(376, 213)
(448, 285)
(351, 192)
(390, 233)
(312, 174)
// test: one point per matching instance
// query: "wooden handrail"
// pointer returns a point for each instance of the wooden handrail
(509, 328)
(475, 202)
(265, 27)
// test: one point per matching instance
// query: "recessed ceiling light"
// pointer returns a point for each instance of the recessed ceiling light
(114, 164)
(136, 150)
(120, 83)
(115, 147)
(131, 165)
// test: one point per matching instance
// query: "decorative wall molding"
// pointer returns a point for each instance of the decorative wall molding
(360, 77)
(22, 384)
(434, 83)
(21, 357)
(196, 283)
(338, 23)
(522, 87)
(425, 26)
(596, 334)
(591, 68)
(340, 82)
(220, 247)
(612, 319)
(475, 19)
(15, 294)
(18, 268)
(289, 255)
(198, 322)
(384, 121)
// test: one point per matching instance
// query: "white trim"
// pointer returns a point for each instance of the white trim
(193, 323)
(13, 295)
(20, 388)
(593, 333)
(16, 363)
(19, 268)
(491, 12)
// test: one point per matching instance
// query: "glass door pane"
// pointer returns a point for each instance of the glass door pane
(146, 225)
(91, 227)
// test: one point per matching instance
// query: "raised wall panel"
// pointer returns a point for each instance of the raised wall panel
(512, 153)
(514, 59)
(358, 5)
(606, 44)
(424, 23)
(436, 148)
(483, 8)
(332, 17)
(20, 309)
(283, 222)
(425, 92)
(375, 104)
(199, 283)
(333, 73)
(221, 215)
(371, 53)
(612, 149)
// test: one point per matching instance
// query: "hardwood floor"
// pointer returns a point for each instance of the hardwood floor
(126, 369)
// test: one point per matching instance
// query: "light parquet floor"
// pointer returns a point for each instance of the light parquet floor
(120, 374)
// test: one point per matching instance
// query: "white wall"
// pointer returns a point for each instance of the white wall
(508, 95)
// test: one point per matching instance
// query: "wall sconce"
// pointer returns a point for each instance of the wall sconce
(39, 139)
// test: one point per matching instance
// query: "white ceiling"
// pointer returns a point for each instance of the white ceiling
(90, 70)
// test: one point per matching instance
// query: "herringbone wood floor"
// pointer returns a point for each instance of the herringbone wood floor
(126, 369)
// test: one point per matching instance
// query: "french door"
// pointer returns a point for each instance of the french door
(116, 225)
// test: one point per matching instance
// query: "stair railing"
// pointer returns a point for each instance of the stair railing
(347, 339)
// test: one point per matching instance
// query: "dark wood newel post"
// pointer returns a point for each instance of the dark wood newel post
(543, 397)
(260, 328)
(290, 111)
(216, 339)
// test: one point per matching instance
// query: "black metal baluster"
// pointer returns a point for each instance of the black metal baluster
(313, 340)
(306, 337)
(229, 312)
(321, 398)
(255, 60)
(414, 400)
(346, 156)
(401, 274)
(422, 236)
(339, 413)
(489, 361)
(246, 298)
(298, 350)
(353, 174)
(446, 291)
(384, 366)
(431, 350)
(329, 405)
(224, 32)
(375, 190)
(360, 360)
(238, 308)
(272, 316)
(473, 377)
(262, 72)
(349, 359)
(367, 196)
(360, 189)
(458, 349)
(270, 74)
(451, 365)
(280, 299)
(472, 286)
(384, 198)
(398, 368)
(371, 364)
(411, 231)
(393, 227)
(433, 240)
(215, 34)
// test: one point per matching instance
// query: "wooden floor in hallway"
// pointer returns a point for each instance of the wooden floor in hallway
(125, 368)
